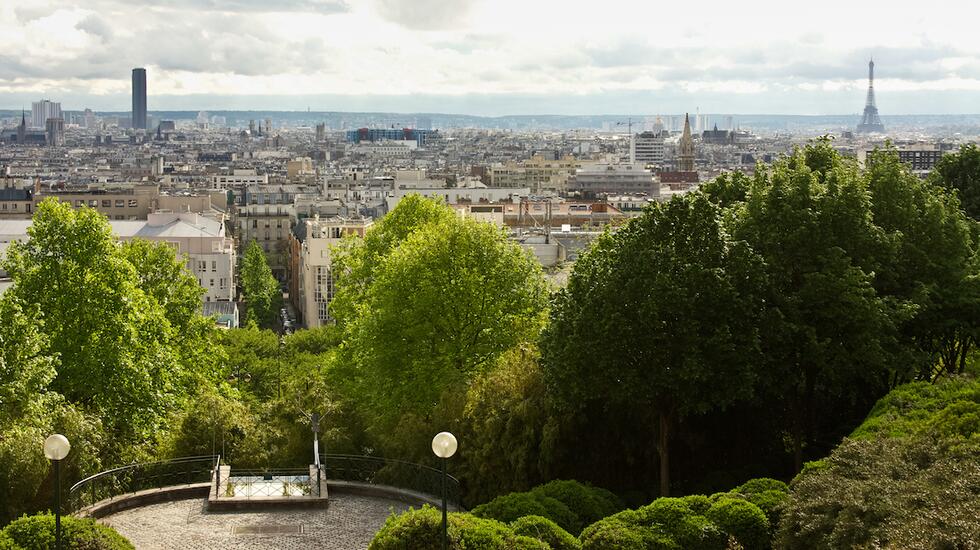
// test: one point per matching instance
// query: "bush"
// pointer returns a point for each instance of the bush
(7, 543)
(742, 520)
(510, 507)
(761, 485)
(544, 529)
(699, 504)
(529, 543)
(676, 519)
(38, 533)
(613, 532)
(589, 504)
(920, 492)
(423, 529)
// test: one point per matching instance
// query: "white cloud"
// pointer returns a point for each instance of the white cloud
(487, 47)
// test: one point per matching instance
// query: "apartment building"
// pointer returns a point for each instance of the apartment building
(312, 274)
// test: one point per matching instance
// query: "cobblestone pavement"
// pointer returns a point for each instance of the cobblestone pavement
(348, 523)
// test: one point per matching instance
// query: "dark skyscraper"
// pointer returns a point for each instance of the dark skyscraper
(139, 99)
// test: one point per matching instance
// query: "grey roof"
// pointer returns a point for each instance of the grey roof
(219, 308)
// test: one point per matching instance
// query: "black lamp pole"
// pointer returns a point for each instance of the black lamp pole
(445, 527)
(57, 504)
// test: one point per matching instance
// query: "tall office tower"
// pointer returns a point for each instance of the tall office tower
(870, 122)
(42, 110)
(685, 156)
(54, 129)
(268, 126)
(321, 131)
(139, 99)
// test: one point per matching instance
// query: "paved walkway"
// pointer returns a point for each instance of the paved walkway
(348, 523)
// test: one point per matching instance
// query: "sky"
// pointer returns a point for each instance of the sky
(495, 57)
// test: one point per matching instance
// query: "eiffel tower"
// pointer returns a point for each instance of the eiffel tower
(870, 123)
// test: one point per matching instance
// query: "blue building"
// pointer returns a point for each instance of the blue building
(383, 134)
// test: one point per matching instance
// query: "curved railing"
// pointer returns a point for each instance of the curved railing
(395, 473)
(133, 478)
(372, 470)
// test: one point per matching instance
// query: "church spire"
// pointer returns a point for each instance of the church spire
(685, 156)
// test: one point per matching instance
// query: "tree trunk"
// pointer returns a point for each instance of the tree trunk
(663, 448)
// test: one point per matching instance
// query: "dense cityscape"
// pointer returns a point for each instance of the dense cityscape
(672, 328)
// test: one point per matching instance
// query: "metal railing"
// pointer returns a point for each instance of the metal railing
(265, 484)
(396, 473)
(138, 477)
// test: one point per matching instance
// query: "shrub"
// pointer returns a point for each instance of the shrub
(544, 529)
(509, 507)
(529, 543)
(920, 492)
(699, 504)
(37, 533)
(675, 518)
(760, 485)
(613, 532)
(742, 520)
(7, 543)
(771, 503)
(423, 529)
(589, 504)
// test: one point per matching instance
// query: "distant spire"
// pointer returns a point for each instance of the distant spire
(685, 157)
(870, 122)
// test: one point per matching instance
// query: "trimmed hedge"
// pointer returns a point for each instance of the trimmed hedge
(7, 543)
(588, 503)
(545, 530)
(742, 520)
(423, 529)
(676, 519)
(570, 504)
(510, 507)
(613, 532)
(38, 533)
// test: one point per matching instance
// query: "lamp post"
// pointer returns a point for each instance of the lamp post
(444, 446)
(56, 448)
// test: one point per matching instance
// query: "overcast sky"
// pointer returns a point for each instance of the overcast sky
(495, 57)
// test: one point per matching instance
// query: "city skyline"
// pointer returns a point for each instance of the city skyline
(487, 58)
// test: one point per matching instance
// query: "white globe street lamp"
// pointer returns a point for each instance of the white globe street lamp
(56, 448)
(444, 446)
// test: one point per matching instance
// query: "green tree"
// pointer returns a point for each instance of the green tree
(827, 333)
(259, 287)
(960, 172)
(442, 306)
(930, 263)
(115, 342)
(658, 318)
(26, 367)
(355, 260)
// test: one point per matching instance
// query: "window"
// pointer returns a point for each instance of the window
(14, 207)
(4, 206)
(221, 283)
(79, 203)
(120, 203)
(255, 224)
(202, 265)
(212, 282)
(93, 203)
(132, 203)
(214, 266)
(106, 203)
